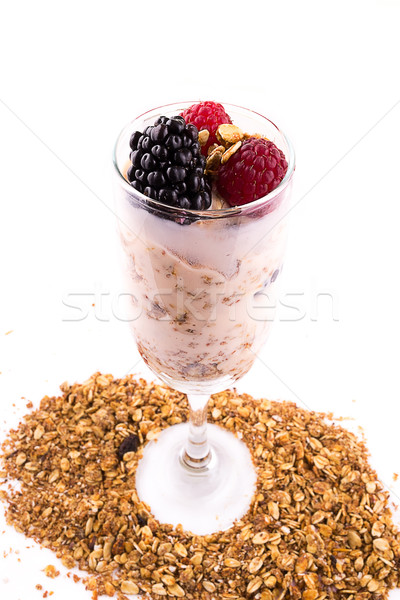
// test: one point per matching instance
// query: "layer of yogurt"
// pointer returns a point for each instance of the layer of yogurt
(204, 293)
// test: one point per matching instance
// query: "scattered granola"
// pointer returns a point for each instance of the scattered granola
(319, 525)
(51, 571)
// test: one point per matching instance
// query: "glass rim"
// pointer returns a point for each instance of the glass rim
(207, 213)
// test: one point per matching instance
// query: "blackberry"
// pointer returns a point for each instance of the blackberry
(167, 164)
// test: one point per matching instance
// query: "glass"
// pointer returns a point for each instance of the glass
(203, 288)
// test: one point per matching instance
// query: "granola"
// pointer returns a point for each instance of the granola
(319, 525)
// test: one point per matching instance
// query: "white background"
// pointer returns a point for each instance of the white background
(73, 73)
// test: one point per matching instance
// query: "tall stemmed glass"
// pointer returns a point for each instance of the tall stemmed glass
(202, 284)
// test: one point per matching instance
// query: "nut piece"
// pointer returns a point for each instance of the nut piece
(230, 152)
(214, 159)
(212, 148)
(229, 134)
(204, 134)
(257, 136)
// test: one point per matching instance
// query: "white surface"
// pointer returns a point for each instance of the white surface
(174, 493)
(72, 74)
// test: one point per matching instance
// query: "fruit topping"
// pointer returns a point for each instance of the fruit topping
(207, 116)
(254, 168)
(167, 165)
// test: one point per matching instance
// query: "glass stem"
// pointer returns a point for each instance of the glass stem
(196, 454)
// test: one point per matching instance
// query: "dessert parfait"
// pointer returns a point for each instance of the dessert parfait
(202, 192)
(201, 211)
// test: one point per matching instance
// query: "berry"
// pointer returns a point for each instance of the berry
(167, 164)
(206, 115)
(253, 171)
(129, 444)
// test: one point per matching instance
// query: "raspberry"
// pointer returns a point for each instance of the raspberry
(206, 115)
(253, 171)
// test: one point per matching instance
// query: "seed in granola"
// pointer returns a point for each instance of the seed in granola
(180, 549)
(232, 562)
(273, 510)
(21, 458)
(54, 476)
(261, 537)
(359, 563)
(204, 134)
(354, 539)
(377, 529)
(159, 589)
(254, 585)
(64, 464)
(109, 588)
(129, 444)
(255, 565)
(176, 590)
(129, 587)
(321, 462)
(89, 526)
(373, 585)
(196, 559)
(301, 564)
(39, 431)
(270, 582)
(381, 545)
(364, 581)
(209, 586)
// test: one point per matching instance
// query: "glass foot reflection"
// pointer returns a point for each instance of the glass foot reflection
(204, 500)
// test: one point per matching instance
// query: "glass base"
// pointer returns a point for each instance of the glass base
(204, 500)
